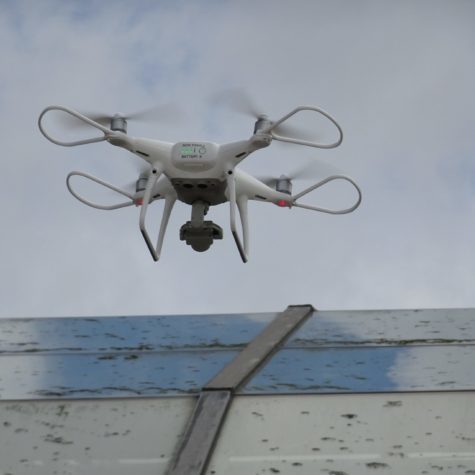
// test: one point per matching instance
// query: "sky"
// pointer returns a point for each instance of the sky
(398, 77)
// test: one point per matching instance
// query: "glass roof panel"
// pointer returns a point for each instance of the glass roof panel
(103, 375)
(342, 370)
(334, 351)
(132, 333)
(372, 351)
(386, 327)
(119, 356)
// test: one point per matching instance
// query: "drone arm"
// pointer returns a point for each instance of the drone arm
(236, 152)
(326, 210)
(242, 206)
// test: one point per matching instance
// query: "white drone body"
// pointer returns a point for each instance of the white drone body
(201, 174)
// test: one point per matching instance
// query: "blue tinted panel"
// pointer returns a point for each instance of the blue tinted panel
(367, 370)
(104, 375)
(130, 333)
(334, 351)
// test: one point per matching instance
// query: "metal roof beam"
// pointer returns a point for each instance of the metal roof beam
(196, 447)
(260, 349)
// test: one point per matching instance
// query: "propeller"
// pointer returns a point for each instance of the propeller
(142, 168)
(168, 112)
(240, 101)
(310, 170)
(142, 171)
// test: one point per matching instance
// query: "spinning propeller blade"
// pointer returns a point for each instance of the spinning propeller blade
(168, 112)
(310, 170)
(238, 100)
(142, 168)
(294, 132)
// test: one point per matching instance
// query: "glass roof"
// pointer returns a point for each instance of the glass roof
(387, 327)
(334, 351)
(131, 333)
(372, 351)
(335, 370)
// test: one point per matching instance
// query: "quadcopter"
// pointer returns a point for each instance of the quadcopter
(200, 174)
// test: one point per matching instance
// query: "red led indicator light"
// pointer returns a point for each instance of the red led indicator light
(282, 203)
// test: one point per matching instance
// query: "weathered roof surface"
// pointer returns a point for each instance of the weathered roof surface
(353, 434)
(350, 392)
(333, 352)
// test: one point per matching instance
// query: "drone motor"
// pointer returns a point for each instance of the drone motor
(283, 184)
(262, 123)
(141, 183)
(119, 123)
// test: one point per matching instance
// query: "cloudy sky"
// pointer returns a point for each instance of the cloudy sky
(398, 76)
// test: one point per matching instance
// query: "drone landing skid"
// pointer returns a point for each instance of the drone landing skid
(198, 233)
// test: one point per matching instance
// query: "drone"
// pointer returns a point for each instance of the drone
(200, 174)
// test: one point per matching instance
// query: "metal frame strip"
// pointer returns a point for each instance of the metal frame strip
(256, 353)
(197, 444)
(200, 437)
